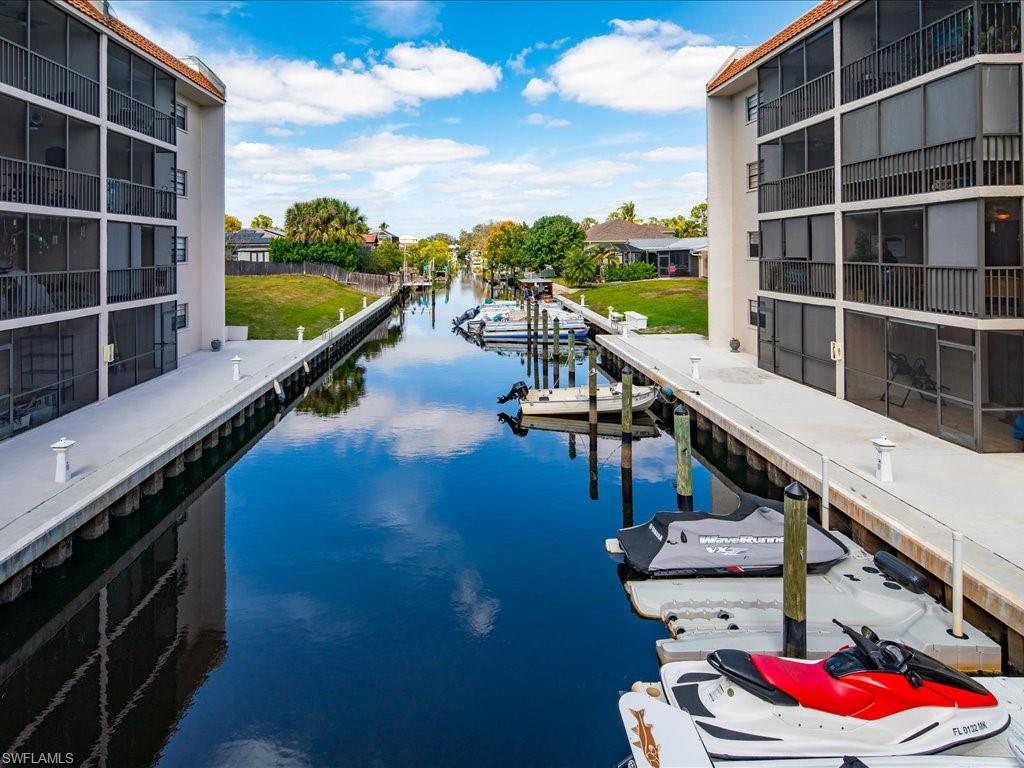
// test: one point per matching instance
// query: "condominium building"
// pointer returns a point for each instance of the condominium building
(865, 190)
(111, 208)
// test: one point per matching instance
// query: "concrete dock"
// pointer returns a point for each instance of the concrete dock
(135, 438)
(937, 488)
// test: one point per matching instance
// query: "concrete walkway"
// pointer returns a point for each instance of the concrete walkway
(938, 487)
(121, 437)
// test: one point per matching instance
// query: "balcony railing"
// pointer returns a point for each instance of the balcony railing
(947, 290)
(801, 191)
(808, 100)
(21, 68)
(946, 41)
(26, 295)
(38, 184)
(140, 283)
(134, 114)
(129, 199)
(941, 167)
(803, 278)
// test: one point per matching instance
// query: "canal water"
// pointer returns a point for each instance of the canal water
(388, 575)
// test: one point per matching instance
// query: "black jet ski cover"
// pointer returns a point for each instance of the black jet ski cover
(747, 542)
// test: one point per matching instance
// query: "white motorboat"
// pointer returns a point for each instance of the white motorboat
(516, 328)
(551, 402)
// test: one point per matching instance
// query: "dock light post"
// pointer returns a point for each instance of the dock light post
(611, 315)
(958, 586)
(62, 470)
(627, 447)
(825, 501)
(341, 314)
(236, 373)
(794, 573)
(883, 458)
(364, 302)
(684, 460)
(583, 300)
(695, 367)
(301, 331)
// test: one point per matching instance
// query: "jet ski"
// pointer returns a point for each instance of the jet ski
(869, 698)
(746, 542)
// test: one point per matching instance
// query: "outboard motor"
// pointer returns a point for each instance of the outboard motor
(518, 392)
(513, 423)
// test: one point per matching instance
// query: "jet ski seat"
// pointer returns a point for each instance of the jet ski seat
(739, 667)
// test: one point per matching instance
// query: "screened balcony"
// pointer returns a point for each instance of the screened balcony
(796, 84)
(798, 256)
(47, 53)
(140, 262)
(797, 170)
(140, 178)
(802, 278)
(920, 141)
(140, 96)
(885, 44)
(929, 259)
(47, 158)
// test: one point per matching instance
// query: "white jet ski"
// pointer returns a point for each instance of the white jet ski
(870, 698)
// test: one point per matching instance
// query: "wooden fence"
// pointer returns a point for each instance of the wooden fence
(380, 285)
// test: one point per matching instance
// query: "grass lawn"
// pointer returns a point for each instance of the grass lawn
(674, 305)
(273, 306)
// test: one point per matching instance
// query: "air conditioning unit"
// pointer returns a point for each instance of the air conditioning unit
(108, 353)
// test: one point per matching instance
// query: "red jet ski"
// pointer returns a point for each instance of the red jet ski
(870, 698)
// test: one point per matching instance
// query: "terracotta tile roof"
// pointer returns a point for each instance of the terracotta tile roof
(805, 22)
(154, 50)
(619, 231)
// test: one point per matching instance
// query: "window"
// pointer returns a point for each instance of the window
(753, 169)
(753, 245)
(145, 344)
(755, 320)
(181, 317)
(751, 107)
(180, 182)
(794, 340)
(181, 116)
(180, 249)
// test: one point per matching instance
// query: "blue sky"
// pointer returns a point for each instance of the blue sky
(433, 116)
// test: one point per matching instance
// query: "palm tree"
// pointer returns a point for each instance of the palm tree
(382, 226)
(626, 212)
(579, 268)
(324, 220)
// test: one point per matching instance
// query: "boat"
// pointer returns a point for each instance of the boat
(550, 402)
(871, 697)
(515, 325)
(521, 425)
(664, 736)
(747, 542)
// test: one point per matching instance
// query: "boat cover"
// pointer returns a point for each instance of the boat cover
(746, 542)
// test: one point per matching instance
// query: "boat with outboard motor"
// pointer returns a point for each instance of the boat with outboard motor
(871, 697)
(664, 736)
(746, 542)
(548, 402)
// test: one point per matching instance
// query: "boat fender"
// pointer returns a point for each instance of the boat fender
(279, 390)
(900, 572)
(667, 392)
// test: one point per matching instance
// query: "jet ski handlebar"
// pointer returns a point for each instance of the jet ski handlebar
(881, 655)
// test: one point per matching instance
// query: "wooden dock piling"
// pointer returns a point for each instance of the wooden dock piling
(627, 447)
(544, 341)
(592, 384)
(572, 359)
(684, 458)
(794, 573)
(555, 344)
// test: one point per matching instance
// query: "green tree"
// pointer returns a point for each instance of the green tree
(504, 245)
(324, 220)
(386, 257)
(580, 267)
(231, 223)
(626, 212)
(696, 225)
(474, 239)
(549, 240)
(382, 226)
(427, 250)
(261, 221)
(587, 222)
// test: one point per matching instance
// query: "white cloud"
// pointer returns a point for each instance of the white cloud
(401, 18)
(451, 120)
(538, 90)
(517, 63)
(276, 130)
(536, 118)
(280, 90)
(668, 155)
(642, 66)
(171, 39)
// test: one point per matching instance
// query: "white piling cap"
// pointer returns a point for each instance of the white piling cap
(62, 444)
(694, 358)
(883, 443)
(236, 359)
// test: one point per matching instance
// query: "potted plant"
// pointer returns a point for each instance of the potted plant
(215, 345)
(734, 344)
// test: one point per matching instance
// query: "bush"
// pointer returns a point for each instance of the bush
(638, 270)
(345, 255)
(385, 258)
